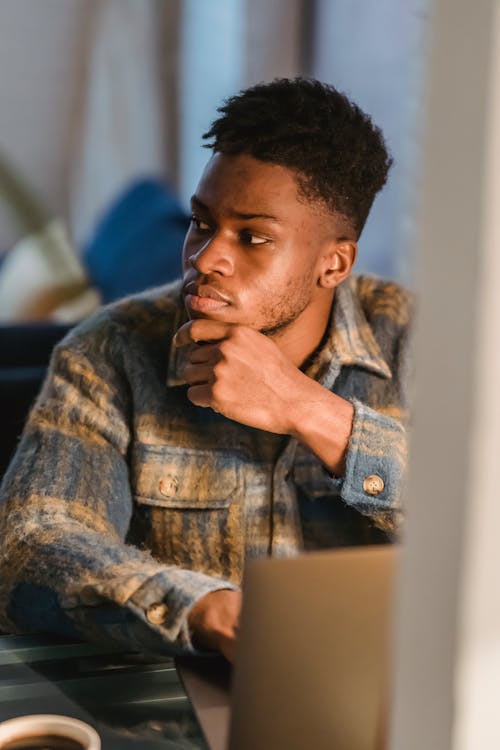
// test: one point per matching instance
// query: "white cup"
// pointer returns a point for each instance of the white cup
(34, 726)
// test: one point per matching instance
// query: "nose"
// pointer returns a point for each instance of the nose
(213, 256)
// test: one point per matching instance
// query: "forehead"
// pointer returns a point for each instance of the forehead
(243, 184)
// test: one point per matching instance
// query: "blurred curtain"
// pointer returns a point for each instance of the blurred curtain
(226, 45)
(157, 71)
(121, 128)
(375, 53)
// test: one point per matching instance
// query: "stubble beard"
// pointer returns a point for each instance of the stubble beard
(285, 311)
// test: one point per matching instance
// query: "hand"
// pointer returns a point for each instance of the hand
(242, 374)
(214, 621)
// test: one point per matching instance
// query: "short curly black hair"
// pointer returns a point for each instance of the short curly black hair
(338, 154)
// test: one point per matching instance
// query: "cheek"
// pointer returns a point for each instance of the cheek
(264, 281)
(187, 251)
(272, 276)
(285, 289)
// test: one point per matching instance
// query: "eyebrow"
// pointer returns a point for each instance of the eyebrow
(197, 203)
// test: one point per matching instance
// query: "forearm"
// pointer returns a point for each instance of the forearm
(65, 510)
(60, 573)
(323, 422)
(362, 448)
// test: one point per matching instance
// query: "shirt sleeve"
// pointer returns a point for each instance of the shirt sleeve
(377, 452)
(375, 466)
(65, 510)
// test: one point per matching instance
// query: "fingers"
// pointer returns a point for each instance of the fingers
(201, 395)
(201, 365)
(195, 374)
(205, 354)
(201, 329)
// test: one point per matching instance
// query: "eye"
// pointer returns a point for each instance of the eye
(199, 224)
(248, 238)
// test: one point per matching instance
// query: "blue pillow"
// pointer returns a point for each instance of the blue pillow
(138, 242)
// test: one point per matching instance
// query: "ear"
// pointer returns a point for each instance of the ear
(337, 262)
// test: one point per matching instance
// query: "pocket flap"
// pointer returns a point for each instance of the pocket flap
(174, 477)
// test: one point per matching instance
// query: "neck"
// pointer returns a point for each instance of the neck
(302, 337)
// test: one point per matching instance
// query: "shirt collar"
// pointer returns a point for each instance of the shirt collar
(351, 334)
(349, 341)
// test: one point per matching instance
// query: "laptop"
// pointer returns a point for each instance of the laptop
(312, 665)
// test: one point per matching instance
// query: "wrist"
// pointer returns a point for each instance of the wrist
(302, 398)
(212, 620)
(323, 423)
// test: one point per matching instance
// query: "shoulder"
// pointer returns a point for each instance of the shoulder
(123, 342)
(129, 321)
(383, 302)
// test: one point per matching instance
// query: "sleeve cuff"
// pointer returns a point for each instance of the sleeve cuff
(375, 462)
(164, 602)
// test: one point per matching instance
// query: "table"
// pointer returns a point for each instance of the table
(132, 700)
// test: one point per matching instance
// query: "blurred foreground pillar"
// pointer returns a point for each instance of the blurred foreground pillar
(448, 632)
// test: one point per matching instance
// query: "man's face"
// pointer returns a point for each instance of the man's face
(253, 250)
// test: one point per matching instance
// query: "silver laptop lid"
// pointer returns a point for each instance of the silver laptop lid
(312, 661)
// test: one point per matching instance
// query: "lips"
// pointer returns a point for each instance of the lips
(205, 291)
(204, 298)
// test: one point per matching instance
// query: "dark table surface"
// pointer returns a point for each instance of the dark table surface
(132, 700)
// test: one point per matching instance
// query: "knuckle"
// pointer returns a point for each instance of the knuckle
(224, 347)
(219, 369)
(194, 330)
(191, 394)
(217, 390)
(237, 334)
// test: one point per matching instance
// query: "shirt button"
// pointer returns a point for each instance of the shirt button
(89, 597)
(168, 485)
(373, 484)
(157, 613)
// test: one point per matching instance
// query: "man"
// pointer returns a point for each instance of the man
(258, 409)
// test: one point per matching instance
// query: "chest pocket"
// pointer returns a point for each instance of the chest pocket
(172, 477)
(188, 507)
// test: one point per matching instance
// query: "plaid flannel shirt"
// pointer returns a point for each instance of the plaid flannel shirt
(125, 503)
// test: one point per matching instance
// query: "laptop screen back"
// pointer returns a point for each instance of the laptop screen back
(313, 656)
